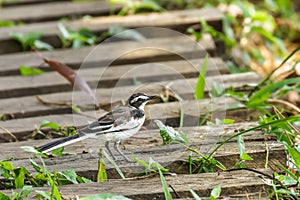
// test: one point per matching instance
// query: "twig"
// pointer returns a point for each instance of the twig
(176, 193)
(9, 133)
(289, 123)
(267, 155)
(46, 102)
(285, 103)
(43, 101)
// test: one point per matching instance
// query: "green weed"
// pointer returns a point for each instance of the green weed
(30, 41)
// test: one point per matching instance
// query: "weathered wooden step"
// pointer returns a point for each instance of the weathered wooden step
(54, 10)
(210, 135)
(26, 2)
(103, 55)
(29, 106)
(177, 20)
(233, 184)
(192, 111)
(105, 77)
(146, 144)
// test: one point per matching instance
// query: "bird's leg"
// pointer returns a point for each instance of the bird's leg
(108, 149)
(116, 146)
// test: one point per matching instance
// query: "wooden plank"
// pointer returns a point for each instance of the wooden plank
(23, 127)
(146, 144)
(54, 11)
(177, 20)
(149, 138)
(108, 77)
(30, 106)
(8, 3)
(232, 183)
(129, 52)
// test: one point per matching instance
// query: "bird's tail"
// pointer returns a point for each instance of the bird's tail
(61, 142)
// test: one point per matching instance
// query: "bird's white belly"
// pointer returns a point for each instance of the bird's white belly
(122, 135)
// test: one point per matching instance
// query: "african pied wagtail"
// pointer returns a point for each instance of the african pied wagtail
(119, 124)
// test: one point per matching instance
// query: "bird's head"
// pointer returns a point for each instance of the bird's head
(139, 100)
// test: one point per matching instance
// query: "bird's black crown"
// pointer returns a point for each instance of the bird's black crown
(139, 99)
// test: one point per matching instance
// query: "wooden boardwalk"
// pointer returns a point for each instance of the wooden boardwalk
(22, 112)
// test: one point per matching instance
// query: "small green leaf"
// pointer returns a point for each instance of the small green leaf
(34, 150)
(29, 149)
(217, 90)
(286, 180)
(216, 163)
(295, 154)
(58, 152)
(215, 193)
(63, 30)
(228, 121)
(200, 87)
(104, 197)
(242, 149)
(169, 134)
(46, 123)
(245, 156)
(26, 40)
(29, 71)
(44, 194)
(83, 180)
(4, 196)
(7, 165)
(150, 166)
(198, 35)
(19, 176)
(26, 190)
(35, 166)
(42, 45)
(120, 32)
(70, 175)
(102, 175)
(75, 108)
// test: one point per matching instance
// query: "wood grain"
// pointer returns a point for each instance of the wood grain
(176, 20)
(54, 10)
(114, 53)
(233, 184)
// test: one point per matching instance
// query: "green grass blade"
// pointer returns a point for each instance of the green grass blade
(290, 119)
(200, 87)
(167, 193)
(195, 195)
(215, 193)
(267, 78)
(264, 93)
(114, 164)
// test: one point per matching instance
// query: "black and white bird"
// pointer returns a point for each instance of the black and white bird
(117, 125)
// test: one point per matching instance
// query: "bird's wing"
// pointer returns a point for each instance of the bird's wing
(117, 120)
